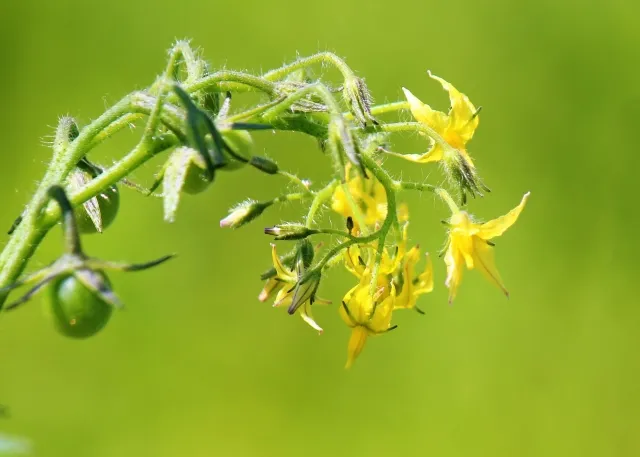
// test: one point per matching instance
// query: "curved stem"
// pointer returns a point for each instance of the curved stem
(389, 187)
(323, 57)
(322, 196)
(71, 235)
(383, 109)
(296, 180)
(220, 78)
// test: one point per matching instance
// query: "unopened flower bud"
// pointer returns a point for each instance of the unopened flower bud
(357, 95)
(289, 231)
(264, 165)
(305, 253)
(305, 291)
(243, 213)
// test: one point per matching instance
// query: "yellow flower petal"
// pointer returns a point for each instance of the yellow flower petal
(425, 280)
(406, 298)
(463, 119)
(339, 202)
(460, 241)
(284, 297)
(422, 112)
(434, 154)
(352, 261)
(356, 344)
(403, 212)
(455, 268)
(361, 304)
(498, 226)
(380, 321)
(413, 286)
(283, 272)
(305, 313)
(271, 286)
(484, 261)
(344, 311)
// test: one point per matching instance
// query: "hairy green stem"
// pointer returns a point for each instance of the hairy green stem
(320, 58)
(383, 109)
(322, 196)
(391, 218)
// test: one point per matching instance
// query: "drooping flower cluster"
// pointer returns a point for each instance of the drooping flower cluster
(387, 275)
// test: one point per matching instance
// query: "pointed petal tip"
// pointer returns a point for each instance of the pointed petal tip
(409, 96)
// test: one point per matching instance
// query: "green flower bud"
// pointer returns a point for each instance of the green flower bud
(264, 165)
(305, 254)
(244, 213)
(357, 95)
(290, 232)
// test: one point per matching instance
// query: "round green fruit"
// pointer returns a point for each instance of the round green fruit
(76, 311)
(195, 180)
(108, 203)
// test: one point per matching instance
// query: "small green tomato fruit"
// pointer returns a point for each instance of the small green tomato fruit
(195, 180)
(98, 213)
(76, 311)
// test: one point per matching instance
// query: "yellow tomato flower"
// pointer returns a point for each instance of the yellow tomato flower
(455, 129)
(289, 291)
(411, 286)
(366, 314)
(367, 194)
(469, 245)
(399, 269)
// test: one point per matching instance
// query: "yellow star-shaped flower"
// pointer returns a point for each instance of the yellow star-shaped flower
(456, 128)
(413, 285)
(366, 314)
(469, 245)
(453, 131)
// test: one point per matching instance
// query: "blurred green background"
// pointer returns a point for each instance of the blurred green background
(197, 366)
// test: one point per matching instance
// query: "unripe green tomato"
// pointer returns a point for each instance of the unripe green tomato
(195, 181)
(76, 311)
(108, 203)
(241, 143)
